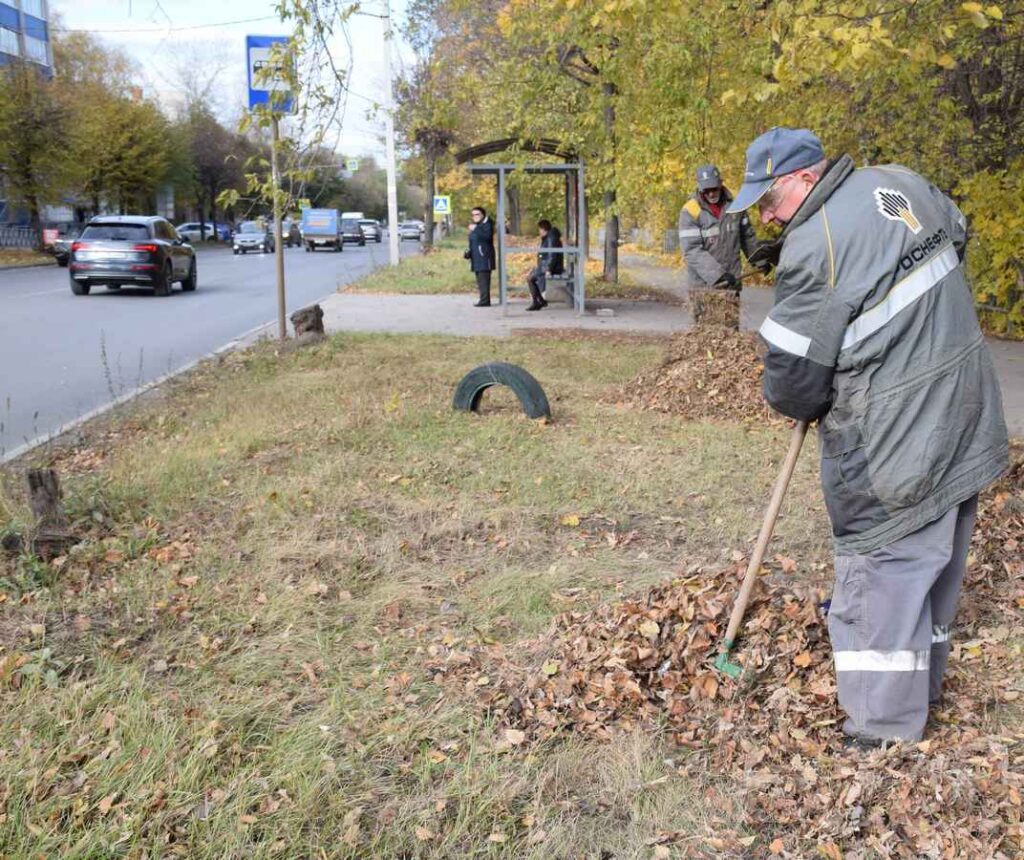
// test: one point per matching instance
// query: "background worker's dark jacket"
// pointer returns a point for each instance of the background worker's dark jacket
(551, 263)
(481, 247)
(874, 331)
(710, 245)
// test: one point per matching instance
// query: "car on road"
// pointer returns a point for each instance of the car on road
(131, 250)
(290, 232)
(410, 230)
(351, 231)
(372, 230)
(61, 247)
(191, 232)
(253, 236)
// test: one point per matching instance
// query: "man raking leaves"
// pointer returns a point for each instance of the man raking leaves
(873, 334)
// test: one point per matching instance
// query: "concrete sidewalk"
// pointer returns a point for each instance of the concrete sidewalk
(455, 315)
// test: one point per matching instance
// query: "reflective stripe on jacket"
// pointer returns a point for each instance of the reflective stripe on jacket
(710, 245)
(874, 332)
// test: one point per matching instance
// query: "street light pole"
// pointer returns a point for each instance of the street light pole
(389, 132)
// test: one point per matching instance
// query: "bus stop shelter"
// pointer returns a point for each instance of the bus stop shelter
(574, 237)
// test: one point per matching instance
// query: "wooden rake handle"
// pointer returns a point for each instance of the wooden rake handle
(796, 441)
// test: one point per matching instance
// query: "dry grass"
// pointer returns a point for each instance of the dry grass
(230, 664)
(14, 258)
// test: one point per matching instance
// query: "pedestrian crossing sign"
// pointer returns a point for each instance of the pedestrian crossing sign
(442, 204)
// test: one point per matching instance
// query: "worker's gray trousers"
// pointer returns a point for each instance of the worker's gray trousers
(889, 622)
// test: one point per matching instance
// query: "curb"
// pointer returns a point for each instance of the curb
(30, 266)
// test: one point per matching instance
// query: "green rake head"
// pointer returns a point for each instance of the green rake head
(724, 665)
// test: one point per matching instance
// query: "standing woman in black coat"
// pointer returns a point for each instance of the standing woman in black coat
(481, 254)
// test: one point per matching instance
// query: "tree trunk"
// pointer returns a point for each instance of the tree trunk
(35, 222)
(611, 239)
(428, 217)
(611, 218)
(200, 206)
(213, 215)
(515, 213)
(51, 533)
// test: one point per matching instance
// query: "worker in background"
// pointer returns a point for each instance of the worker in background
(710, 238)
(873, 334)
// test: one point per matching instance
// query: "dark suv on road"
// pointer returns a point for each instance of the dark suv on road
(352, 232)
(131, 250)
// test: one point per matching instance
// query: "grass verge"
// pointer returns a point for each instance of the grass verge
(230, 664)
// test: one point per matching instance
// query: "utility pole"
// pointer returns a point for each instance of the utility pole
(282, 325)
(389, 133)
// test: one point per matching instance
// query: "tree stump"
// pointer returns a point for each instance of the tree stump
(309, 321)
(52, 532)
(715, 307)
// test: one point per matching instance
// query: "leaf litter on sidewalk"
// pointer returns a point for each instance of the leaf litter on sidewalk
(647, 660)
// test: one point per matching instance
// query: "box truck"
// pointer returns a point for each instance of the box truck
(321, 228)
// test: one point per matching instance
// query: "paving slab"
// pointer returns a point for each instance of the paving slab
(455, 315)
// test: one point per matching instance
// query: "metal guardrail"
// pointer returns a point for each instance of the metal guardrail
(17, 237)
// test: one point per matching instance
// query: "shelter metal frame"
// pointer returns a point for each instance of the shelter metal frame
(575, 217)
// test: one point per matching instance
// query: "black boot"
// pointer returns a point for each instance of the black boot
(534, 307)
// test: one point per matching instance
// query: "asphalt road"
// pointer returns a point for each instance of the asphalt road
(63, 356)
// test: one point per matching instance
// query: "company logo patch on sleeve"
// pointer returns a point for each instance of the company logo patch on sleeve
(895, 206)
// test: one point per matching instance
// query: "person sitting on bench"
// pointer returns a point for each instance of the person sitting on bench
(547, 264)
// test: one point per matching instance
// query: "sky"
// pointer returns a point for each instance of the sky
(164, 35)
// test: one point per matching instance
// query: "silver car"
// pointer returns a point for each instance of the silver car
(411, 230)
(253, 236)
(371, 230)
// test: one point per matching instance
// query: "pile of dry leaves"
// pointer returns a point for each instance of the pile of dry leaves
(709, 372)
(776, 731)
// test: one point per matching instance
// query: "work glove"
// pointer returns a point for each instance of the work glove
(467, 255)
(728, 281)
(766, 256)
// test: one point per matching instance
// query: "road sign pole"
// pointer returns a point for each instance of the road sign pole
(282, 325)
(389, 134)
(268, 88)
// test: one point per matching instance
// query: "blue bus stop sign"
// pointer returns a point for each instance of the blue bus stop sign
(265, 86)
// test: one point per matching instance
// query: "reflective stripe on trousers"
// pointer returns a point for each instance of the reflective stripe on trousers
(890, 625)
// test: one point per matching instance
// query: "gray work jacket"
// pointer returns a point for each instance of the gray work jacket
(710, 245)
(874, 332)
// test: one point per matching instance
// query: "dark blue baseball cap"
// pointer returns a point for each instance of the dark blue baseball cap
(775, 153)
(708, 177)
